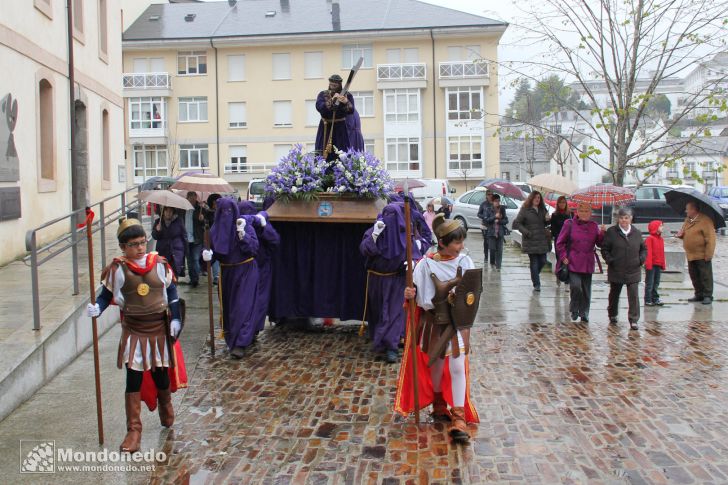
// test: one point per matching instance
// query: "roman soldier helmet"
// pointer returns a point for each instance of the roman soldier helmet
(126, 223)
(335, 78)
(442, 227)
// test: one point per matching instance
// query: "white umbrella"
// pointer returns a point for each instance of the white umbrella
(551, 182)
(167, 198)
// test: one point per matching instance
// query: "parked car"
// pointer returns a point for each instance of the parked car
(433, 188)
(720, 194)
(649, 204)
(256, 192)
(523, 186)
(465, 208)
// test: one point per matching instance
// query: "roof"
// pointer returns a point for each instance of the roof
(708, 145)
(248, 18)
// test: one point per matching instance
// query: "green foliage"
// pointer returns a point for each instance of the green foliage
(550, 95)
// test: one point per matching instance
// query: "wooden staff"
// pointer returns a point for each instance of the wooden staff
(209, 290)
(92, 288)
(412, 303)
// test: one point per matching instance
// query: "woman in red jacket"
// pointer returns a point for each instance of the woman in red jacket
(655, 263)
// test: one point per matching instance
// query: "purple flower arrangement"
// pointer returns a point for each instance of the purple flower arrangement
(360, 173)
(303, 176)
(298, 176)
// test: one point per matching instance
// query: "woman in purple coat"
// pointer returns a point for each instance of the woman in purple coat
(384, 246)
(169, 232)
(576, 247)
(269, 240)
(235, 244)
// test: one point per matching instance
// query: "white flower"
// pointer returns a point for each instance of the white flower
(342, 188)
(294, 189)
(299, 181)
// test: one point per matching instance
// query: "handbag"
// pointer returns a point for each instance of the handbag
(563, 273)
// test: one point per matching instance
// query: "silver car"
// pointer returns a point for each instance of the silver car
(465, 208)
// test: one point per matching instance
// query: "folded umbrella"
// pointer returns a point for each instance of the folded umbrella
(678, 199)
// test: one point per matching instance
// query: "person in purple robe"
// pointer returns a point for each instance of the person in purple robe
(384, 246)
(327, 107)
(235, 244)
(268, 240)
(171, 236)
(353, 126)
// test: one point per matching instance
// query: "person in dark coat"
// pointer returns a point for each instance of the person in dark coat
(576, 248)
(195, 227)
(171, 237)
(625, 253)
(558, 218)
(495, 221)
(326, 106)
(488, 202)
(531, 221)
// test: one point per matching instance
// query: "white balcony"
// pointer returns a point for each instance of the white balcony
(147, 84)
(243, 172)
(409, 75)
(463, 73)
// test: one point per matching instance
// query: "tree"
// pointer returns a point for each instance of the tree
(549, 95)
(618, 54)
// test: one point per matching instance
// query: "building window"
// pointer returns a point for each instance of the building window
(191, 63)
(46, 132)
(105, 146)
(103, 30)
(193, 109)
(238, 159)
(351, 53)
(193, 156)
(369, 146)
(464, 103)
(236, 68)
(282, 113)
(465, 153)
(147, 113)
(463, 53)
(280, 151)
(402, 105)
(312, 115)
(403, 154)
(313, 65)
(149, 161)
(237, 115)
(78, 19)
(364, 102)
(406, 55)
(281, 66)
(148, 64)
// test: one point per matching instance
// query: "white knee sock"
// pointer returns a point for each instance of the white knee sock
(457, 375)
(436, 374)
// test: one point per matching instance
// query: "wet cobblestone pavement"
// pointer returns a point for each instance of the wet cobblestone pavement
(560, 402)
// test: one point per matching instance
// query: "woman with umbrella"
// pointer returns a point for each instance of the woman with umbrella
(171, 236)
(531, 221)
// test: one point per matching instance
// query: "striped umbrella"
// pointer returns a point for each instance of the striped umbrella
(205, 183)
(601, 195)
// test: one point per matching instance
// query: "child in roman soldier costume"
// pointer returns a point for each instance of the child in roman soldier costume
(447, 290)
(143, 285)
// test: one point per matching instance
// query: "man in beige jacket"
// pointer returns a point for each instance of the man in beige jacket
(698, 235)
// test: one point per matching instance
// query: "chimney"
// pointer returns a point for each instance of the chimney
(285, 6)
(336, 15)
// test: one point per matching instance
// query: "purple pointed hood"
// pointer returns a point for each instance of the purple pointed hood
(392, 242)
(223, 233)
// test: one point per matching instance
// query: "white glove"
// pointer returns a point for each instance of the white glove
(241, 228)
(207, 254)
(263, 222)
(419, 244)
(175, 326)
(378, 228)
(93, 310)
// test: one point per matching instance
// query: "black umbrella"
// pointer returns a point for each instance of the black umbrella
(678, 199)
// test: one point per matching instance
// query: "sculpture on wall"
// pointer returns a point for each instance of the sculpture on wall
(9, 166)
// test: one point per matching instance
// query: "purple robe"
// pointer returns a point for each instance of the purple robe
(171, 243)
(341, 134)
(269, 241)
(353, 127)
(385, 307)
(238, 282)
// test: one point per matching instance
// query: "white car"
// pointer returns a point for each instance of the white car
(433, 188)
(465, 209)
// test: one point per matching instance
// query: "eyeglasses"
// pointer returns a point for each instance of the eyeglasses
(137, 244)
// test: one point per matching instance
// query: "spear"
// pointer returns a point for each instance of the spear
(412, 304)
(94, 328)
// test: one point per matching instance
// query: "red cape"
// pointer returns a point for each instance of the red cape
(404, 402)
(177, 379)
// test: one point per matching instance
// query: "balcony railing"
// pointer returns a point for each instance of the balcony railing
(147, 80)
(402, 72)
(463, 69)
(248, 167)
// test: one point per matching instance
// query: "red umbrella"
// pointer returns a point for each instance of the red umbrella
(411, 184)
(600, 195)
(505, 188)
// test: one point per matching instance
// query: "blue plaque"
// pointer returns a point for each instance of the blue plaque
(325, 209)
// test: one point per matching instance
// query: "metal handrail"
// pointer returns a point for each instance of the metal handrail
(71, 240)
